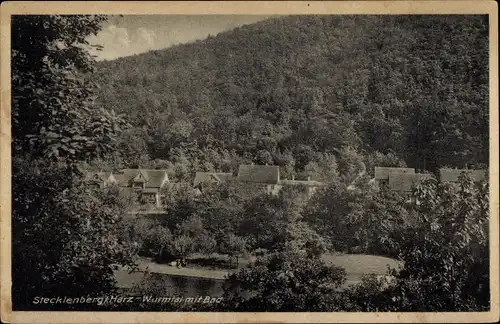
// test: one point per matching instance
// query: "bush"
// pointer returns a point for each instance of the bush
(286, 281)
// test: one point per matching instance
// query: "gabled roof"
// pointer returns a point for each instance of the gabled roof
(403, 182)
(382, 173)
(151, 178)
(211, 176)
(141, 176)
(452, 175)
(269, 174)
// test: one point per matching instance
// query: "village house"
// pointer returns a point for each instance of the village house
(266, 177)
(452, 175)
(382, 173)
(145, 183)
(401, 180)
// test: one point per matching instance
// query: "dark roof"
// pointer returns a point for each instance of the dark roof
(382, 173)
(151, 178)
(211, 176)
(269, 174)
(403, 182)
(451, 175)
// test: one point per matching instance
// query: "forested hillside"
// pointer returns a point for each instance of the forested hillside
(308, 93)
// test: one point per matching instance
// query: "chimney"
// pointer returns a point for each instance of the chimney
(251, 163)
(293, 176)
(308, 178)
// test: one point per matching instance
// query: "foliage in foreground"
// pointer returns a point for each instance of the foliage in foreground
(446, 255)
(67, 236)
(285, 281)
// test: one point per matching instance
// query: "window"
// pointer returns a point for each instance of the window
(138, 185)
(148, 198)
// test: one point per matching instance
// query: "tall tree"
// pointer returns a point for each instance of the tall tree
(445, 253)
(53, 111)
(64, 232)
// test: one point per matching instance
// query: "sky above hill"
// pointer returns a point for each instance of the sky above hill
(128, 35)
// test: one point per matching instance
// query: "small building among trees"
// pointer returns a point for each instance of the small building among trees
(144, 183)
(264, 176)
(382, 173)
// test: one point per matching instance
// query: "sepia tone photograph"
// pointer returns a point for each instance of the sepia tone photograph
(210, 162)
